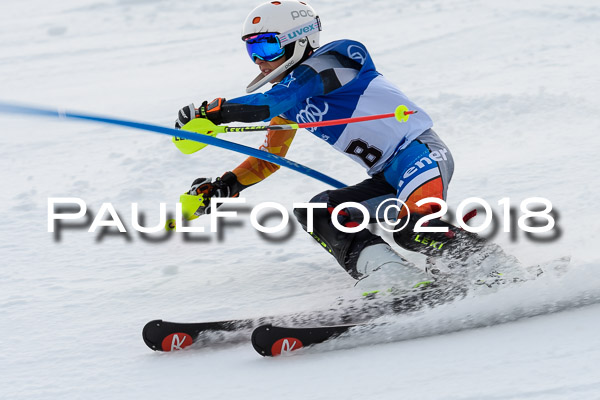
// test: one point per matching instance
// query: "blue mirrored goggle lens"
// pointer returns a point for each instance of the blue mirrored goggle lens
(265, 47)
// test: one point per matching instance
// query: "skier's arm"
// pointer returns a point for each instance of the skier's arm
(248, 173)
(254, 170)
(302, 83)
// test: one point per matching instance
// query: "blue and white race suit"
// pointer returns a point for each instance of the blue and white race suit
(340, 81)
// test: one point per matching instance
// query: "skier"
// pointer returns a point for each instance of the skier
(407, 161)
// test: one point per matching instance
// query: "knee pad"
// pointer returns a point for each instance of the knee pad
(345, 247)
(333, 240)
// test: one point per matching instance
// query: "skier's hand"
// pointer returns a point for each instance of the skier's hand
(210, 111)
(220, 187)
(185, 115)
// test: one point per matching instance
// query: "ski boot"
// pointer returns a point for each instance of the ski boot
(380, 266)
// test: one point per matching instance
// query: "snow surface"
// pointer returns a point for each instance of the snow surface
(513, 89)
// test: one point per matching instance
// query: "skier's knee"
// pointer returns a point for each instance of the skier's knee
(301, 214)
(344, 246)
(323, 231)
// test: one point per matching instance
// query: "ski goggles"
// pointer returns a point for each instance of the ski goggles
(265, 46)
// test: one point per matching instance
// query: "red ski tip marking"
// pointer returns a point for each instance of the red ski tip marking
(285, 345)
(176, 341)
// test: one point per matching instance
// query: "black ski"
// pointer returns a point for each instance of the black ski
(269, 340)
(168, 336)
(161, 335)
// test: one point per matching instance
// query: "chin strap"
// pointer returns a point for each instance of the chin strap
(261, 80)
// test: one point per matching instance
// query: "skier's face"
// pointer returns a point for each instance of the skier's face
(266, 67)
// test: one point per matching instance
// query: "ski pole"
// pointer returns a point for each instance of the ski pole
(11, 108)
(206, 127)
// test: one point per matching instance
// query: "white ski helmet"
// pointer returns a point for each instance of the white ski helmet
(297, 25)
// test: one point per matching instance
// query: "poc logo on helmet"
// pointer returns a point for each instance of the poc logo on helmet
(302, 13)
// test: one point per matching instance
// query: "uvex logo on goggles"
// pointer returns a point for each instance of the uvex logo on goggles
(299, 32)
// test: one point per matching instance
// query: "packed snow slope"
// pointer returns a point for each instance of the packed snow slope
(513, 89)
